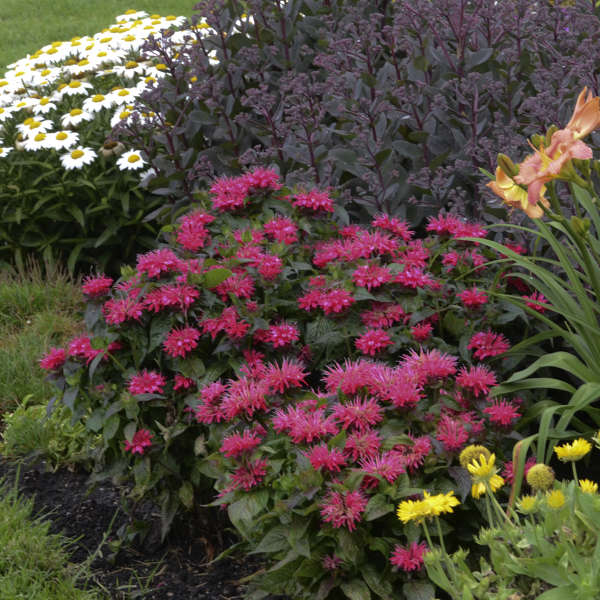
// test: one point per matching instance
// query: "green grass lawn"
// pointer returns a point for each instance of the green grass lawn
(27, 25)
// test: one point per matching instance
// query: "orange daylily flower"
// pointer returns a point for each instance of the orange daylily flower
(586, 116)
(516, 196)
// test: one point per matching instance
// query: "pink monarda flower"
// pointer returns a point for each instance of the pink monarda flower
(94, 287)
(146, 382)
(450, 259)
(175, 296)
(53, 359)
(387, 465)
(183, 383)
(508, 472)
(473, 298)
(415, 256)
(502, 413)
(270, 267)
(321, 457)
(409, 558)
(314, 200)
(343, 509)
(244, 397)
(349, 378)
(371, 276)
(229, 193)
(429, 365)
(82, 347)
(414, 454)
(282, 335)
(282, 230)
(478, 379)
(237, 444)
(228, 322)
(262, 179)
(383, 315)
(488, 343)
(421, 331)
(358, 414)
(141, 440)
(451, 433)
(192, 233)
(287, 375)
(240, 285)
(362, 444)
(304, 427)
(247, 477)
(413, 278)
(157, 262)
(331, 562)
(537, 301)
(393, 224)
(442, 224)
(373, 341)
(119, 311)
(335, 301)
(181, 341)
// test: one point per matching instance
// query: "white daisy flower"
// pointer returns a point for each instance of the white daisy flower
(75, 87)
(43, 106)
(81, 68)
(147, 176)
(4, 150)
(77, 158)
(131, 42)
(157, 71)
(130, 161)
(122, 114)
(24, 103)
(62, 140)
(132, 15)
(75, 117)
(124, 95)
(32, 126)
(39, 141)
(173, 21)
(129, 70)
(5, 113)
(97, 102)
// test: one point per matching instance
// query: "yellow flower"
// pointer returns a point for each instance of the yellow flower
(483, 471)
(413, 510)
(573, 451)
(471, 452)
(516, 196)
(555, 499)
(540, 477)
(441, 503)
(587, 486)
(528, 504)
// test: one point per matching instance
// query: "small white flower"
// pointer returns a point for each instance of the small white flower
(130, 161)
(97, 102)
(132, 15)
(33, 126)
(76, 87)
(38, 141)
(76, 116)
(122, 114)
(124, 95)
(4, 150)
(129, 70)
(43, 106)
(5, 113)
(77, 158)
(62, 140)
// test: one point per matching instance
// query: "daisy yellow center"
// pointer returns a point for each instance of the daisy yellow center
(1, 150)
(130, 11)
(62, 86)
(28, 121)
(161, 67)
(34, 125)
(105, 40)
(76, 154)
(193, 79)
(129, 38)
(157, 22)
(70, 62)
(131, 64)
(20, 74)
(75, 43)
(3, 83)
(170, 18)
(61, 135)
(102, 53)
(124, 93)
(39, 137)
(75, 84)
(52, 51)
(75, 112)
(21, 104)
(89, 46)
(83, 62)
(56, 44)
(97, 98)
(155, 16)
(133, 158)
(1, 110)
(124, 114)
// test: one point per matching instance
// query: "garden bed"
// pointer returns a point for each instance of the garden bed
(177, 570)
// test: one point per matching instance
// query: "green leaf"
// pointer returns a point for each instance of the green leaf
(356, 590)
(186, 494)
(111, 427)
(418, 590)
(564, 592)
(377, 507)
(377, 582)
(216, 276)
(275, 540)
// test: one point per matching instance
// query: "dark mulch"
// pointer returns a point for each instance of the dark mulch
(181, 569)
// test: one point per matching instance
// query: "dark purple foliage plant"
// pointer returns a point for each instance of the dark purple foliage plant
(396, 105)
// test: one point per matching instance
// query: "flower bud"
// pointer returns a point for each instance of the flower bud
(540, 477)
(551, 130)
(507, 165)
(472, 452)
(537, 140)
(583, 166)
(580, 226)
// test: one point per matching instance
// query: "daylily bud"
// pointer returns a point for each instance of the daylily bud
(583, 166)
(551, 130)
(507, 165)
(537, 140)
(580, 226)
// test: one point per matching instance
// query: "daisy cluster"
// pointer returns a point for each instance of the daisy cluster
(335, 354)
(65, 97)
